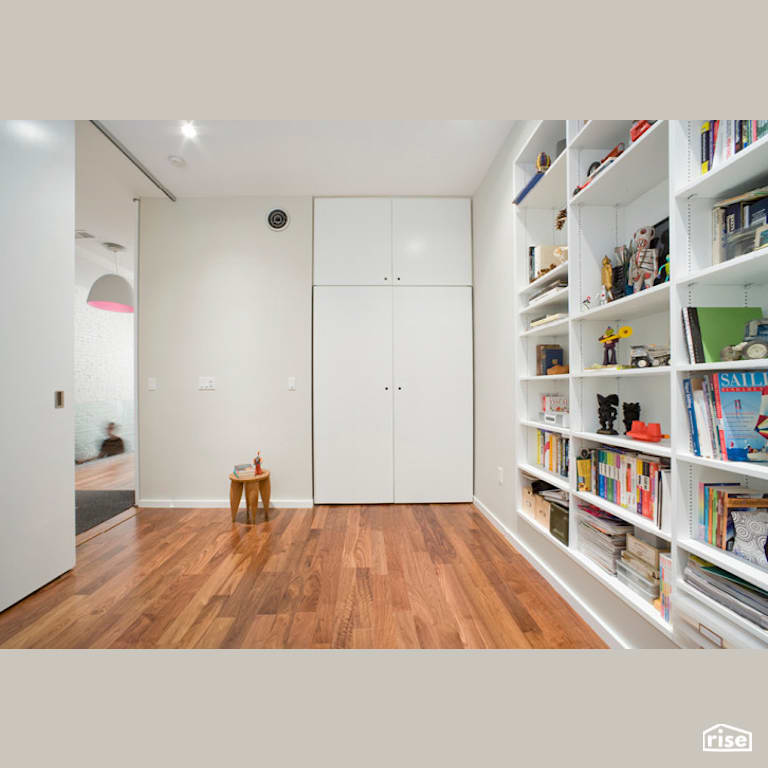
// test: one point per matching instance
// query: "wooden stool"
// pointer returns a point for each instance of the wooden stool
(255, 485)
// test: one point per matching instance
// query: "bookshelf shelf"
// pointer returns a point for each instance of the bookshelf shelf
(625, 514)
(648, 302)
(560, 295)
(750, 269)
(744, 468)
(543, 138)
(642, 166)
(728, 562)
(547, 427)
(556, 328)
(560, 271)
(614, 373)
(546, 475)
(741, 170)
(554, 377)
(724, 611)
(735, 365)
(655, 449)
(549, 191)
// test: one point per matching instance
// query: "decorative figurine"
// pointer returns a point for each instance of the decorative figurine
(606, 413)
(648, 355)
(587, 303)
(610, 339)
(561, 218)
(662, 276)
(650, 433)
(257, 463)
(543, 162)
(606, 278)
(631, 414)
(642, 268)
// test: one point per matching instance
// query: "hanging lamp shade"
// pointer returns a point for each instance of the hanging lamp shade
(113, 293)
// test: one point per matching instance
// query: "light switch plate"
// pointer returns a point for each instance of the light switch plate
(206, 383)
(151, 384)
(292, 383)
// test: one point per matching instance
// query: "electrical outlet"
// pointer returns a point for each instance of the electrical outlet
(151, 384)
(206, 383)
(500, 470)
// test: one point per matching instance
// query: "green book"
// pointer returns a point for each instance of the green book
(722, 326)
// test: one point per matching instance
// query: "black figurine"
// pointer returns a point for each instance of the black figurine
(606, 413)
(631, 413)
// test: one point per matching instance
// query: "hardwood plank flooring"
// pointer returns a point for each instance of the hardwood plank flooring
(113, 473)
(390, 576)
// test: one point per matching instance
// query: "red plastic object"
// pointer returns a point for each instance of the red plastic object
(638, 129)
(651, 433)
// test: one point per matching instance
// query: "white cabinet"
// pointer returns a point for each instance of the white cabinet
(433, 437)
(353, 241)
(431, 241)
(353, 394)
(393, 241)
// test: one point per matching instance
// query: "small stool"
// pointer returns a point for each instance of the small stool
(258, 484)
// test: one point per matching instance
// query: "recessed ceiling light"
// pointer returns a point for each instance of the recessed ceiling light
(189, 130)
(176, 161)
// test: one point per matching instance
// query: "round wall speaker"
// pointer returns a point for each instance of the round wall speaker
(277, 219)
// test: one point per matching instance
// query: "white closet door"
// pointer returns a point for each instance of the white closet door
(353, 241)
(353, 395)
(432, 241)
(433, 394)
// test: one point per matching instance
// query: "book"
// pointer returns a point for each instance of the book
(547, 319)
(705, 140)
(719, 327)
(694, 432)
(742, 398)
(528, 187)
(243, 470)
(548, 355)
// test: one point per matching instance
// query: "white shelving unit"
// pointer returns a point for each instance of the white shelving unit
(656, 177)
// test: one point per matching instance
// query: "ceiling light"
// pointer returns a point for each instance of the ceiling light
(112, 292)
(176, 161)
(189, 130)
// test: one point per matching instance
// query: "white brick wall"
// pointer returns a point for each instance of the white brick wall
(104, 378)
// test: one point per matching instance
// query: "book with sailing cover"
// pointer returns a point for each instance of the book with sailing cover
(741, 399)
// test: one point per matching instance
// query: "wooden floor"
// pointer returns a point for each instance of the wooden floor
(401, 576)
(115, 473)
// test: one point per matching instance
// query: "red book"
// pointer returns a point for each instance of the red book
(719, 414)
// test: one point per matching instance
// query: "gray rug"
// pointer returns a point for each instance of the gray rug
(94, 507)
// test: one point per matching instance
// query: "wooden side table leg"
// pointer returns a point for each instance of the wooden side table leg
(252, 497)
(235, 492)
(266, 490)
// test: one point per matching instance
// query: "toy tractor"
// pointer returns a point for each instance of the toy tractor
(753, 347)
(648, 355)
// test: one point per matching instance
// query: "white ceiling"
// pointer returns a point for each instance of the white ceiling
(316, 157)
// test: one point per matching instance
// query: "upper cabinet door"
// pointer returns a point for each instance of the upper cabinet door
(432, 241)
(353, 241)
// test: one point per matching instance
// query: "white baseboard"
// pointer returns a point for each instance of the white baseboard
(219, 503)
(606, 632)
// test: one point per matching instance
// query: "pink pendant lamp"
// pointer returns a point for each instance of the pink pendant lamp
(112, 292)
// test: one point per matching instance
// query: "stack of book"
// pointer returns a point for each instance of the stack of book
(739, 225)
(728, 415)
(243, 471)
(635, 481)
(722, 139)
(547, 290)
(547, 356)
(552, 452)
(602, 537)
(665, 586)
(714, 521)
(709, 330)
(638, 568)
(743, 598)
(546, 319)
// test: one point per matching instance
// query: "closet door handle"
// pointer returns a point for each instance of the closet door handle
(386, 389)
(386, 278)
(399, 387)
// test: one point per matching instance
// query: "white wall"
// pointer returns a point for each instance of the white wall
(222, 295)
(37, 214)
(495, 408)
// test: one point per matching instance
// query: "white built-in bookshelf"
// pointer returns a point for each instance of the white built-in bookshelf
(657, 176)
